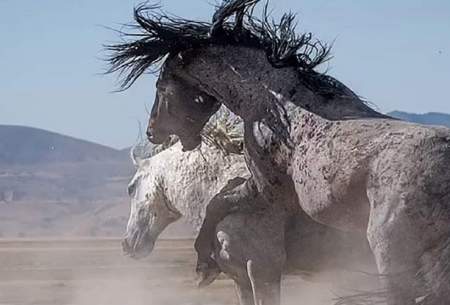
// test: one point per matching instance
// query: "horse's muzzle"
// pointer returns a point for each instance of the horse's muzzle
(154, 138)
(126, 247)
(149, 134)
(137, 249)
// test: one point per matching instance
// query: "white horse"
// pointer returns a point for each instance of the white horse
(170, 183)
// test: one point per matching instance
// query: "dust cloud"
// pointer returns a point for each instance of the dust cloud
(94, 272)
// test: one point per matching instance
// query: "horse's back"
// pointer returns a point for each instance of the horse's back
(334, 166)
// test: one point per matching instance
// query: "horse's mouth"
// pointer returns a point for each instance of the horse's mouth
(138, 246)
(156, 140)
(156, 137)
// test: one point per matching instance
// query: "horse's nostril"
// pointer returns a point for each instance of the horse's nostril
(149, 133)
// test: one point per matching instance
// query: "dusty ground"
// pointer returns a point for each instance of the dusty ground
(94, 272)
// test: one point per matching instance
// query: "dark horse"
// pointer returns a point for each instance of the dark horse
(310, 142)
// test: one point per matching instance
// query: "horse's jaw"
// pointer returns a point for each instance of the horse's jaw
(191, 142)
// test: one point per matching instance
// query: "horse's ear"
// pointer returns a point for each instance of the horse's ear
(135, 158)
(229, 8)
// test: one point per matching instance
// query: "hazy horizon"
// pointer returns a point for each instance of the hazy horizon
(396, 55)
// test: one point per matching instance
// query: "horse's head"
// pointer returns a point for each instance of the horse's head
(181, 108)
(150, 214)
(189, 88)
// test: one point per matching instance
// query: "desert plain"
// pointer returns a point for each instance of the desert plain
(95, 272)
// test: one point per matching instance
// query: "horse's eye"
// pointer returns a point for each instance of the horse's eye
(131, 188)
(190, 119)
(199, 100)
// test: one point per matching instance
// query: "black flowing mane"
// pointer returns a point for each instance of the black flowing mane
(158, 35)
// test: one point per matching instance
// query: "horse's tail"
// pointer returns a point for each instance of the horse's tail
(435, 274)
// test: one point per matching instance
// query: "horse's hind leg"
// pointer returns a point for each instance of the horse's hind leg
(396, 244)
(435, 272)
(396, 270)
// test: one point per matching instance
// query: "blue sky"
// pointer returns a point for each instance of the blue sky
(394, 53)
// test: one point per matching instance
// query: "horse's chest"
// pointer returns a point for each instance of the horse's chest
(267, 161)
(265, 150)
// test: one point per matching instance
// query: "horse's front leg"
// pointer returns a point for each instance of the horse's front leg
(397, 243)
(236, 195)
(266, 291)
(244, 292)
(256, 288)
(250, 249)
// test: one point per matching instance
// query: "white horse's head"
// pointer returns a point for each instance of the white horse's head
(151, 212)
(151, 209)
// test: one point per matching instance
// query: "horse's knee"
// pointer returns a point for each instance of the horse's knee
(224, 242)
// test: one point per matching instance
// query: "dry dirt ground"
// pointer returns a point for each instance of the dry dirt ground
(94, 272)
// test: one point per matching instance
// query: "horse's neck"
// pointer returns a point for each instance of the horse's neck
(244, 80)
(182, 181)
(201, 174)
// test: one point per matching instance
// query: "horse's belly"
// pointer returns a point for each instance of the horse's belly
(343, 205)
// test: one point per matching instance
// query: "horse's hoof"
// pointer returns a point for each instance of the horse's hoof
(207, 273)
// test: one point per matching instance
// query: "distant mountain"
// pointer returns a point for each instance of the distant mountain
(28, 146)
(36, 164)
(55, 185)
(430, 118)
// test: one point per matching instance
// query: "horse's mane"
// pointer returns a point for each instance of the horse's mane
(225, 131)
(157, 35)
